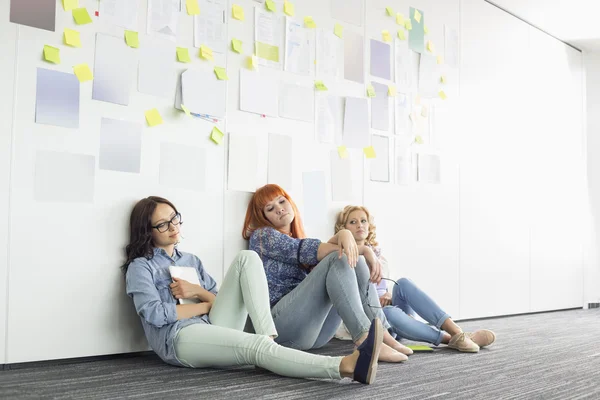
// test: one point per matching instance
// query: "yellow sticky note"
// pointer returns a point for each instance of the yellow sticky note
(425, 29)
(342, 151)
(288, 8)
(206, 53)
(216, 135)
(153, 117)
(442, 95)
(424, 111)
(221, 73)
(392, 91)
(370, 91)
(186, 110)
(386, 36)
(319, 85)
(417, 15)
(132, 39)
(52, 54)
(266, 51)
(430, 46)
(237, 12)
(440, 60)
(400, 19)
(236, 45)
(401, 35)
(270, 5)
(83, 72)
(183, 55)
(252, 62)
(390, 11)
(369, 152)
(309, 22)
(338, 30)
(72, 38)
(408, 25)
(443, 78)
(69, 5)
(81, 16)
(419, 139)
(192, 7)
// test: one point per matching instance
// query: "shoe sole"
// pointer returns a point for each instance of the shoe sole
(376, 349)
(464, 350)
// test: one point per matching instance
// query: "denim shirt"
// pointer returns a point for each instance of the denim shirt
(282, 258)
(147, 283)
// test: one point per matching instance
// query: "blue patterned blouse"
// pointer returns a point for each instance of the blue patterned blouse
(283, 257)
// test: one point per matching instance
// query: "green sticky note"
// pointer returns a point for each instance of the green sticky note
(221, 73)
(216, 135)
(369, 152)
(416, 347)
(370, 91)
(183, 55)
(83, 72)
(81, 16)
(72, 38)
(153, 117)
(206, 53)
(416, 36)
(52, 54)
(338, 30)
(69, 5)
(270, 4)
(319, 85)
(401, 35)
(132, 39)
(267, 51)
(236, 45)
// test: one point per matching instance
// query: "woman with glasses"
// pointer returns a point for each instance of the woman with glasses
(313, 285)
(400, 306)
(208, 332)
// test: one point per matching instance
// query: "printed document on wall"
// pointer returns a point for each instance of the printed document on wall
(451, 46)
(380, 108)
(259, 93)
(296, 102)
(356, 123)
(114, 70)
(404, 75)
(123, 13)
(330, 54)
(403, 109)
(210, 28)
(243, 163)
(405, 173)
(299, 43)
(429, 76)
(280, 168)
(350, 11)
(163, 18)
(268, 36)
(329, 118)
(380, 165)
(203, 94)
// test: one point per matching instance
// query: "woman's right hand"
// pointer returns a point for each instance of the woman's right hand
(348, 246)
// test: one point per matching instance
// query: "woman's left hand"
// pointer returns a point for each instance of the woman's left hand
(386, 299)
(348, 245)
(182, 289)
(374, 264)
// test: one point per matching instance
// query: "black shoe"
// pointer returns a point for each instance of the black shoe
(366, 365)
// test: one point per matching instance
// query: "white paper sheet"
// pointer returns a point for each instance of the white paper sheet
(348, 10)
(259, 93)
(57, 98)
(341, 178)
(243, 163)
(280, 169)
(64, 177)
(122, 13)
(381, 59)
(404, 170)
(429, 168)
(156, 74)
(268, 29)
(429, 76)
(380, 165)
(404, 81)
(298, 46)
(451, 46)
(329, 112)
(182, 166)
(403, 110)
(114, 70)
(163, 18)
(315, 199)
(354, 57)
(210, 28)
(296, 102)
(120, 145)
(330, 54)
(356, 123)
(380, 108)
(203, 94)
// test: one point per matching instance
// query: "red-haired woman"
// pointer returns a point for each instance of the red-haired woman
(314, 285)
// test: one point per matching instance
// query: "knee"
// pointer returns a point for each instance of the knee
(248, 259)
(403, 284)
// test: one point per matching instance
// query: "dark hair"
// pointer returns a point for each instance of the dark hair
(140, 229)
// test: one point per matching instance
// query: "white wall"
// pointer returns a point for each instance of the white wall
(502, 234)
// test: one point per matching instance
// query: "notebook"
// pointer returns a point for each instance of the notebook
(415, 347)
(188, 274)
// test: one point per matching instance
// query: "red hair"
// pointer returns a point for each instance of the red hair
(255, 216)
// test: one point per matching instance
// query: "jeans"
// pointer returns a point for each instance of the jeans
(407, 299)
(308, 316)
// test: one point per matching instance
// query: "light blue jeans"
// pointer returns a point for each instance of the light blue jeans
(407, 299)
(308, 316)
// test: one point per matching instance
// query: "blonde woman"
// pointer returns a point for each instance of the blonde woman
(407, 299)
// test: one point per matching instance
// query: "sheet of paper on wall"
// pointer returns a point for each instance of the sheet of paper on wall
(329, 112)
(330, 54)
(210, 27)
(280, 167)
(182, 166)
(156, 73)
(381, 59)
(380, 166)
(403, 110)
(296, 102)
(428, 168)
(122, 13)
(350, 11)
(314, 198)
(203, 94)
(298, 44)
(356, 123)
(342, 174)
(243, 163)
(354, 56)
(259, 93)
(64, 177)
(404, 171)
(403, 61)
(429, 76)
(416, 36)
(268, 36)
(120, 145)
(451, 46)
(163, 18)
(57, 98)
(114, 70)
(380, 108)
(35, 13)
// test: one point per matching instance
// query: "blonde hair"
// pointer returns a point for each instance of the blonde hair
(342, 220)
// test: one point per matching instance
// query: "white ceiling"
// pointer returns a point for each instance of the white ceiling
(573, 21)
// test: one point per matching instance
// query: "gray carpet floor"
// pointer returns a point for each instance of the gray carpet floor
(540, 356)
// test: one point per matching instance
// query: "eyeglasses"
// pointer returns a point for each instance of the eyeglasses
(164, 226)
(369, 285)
